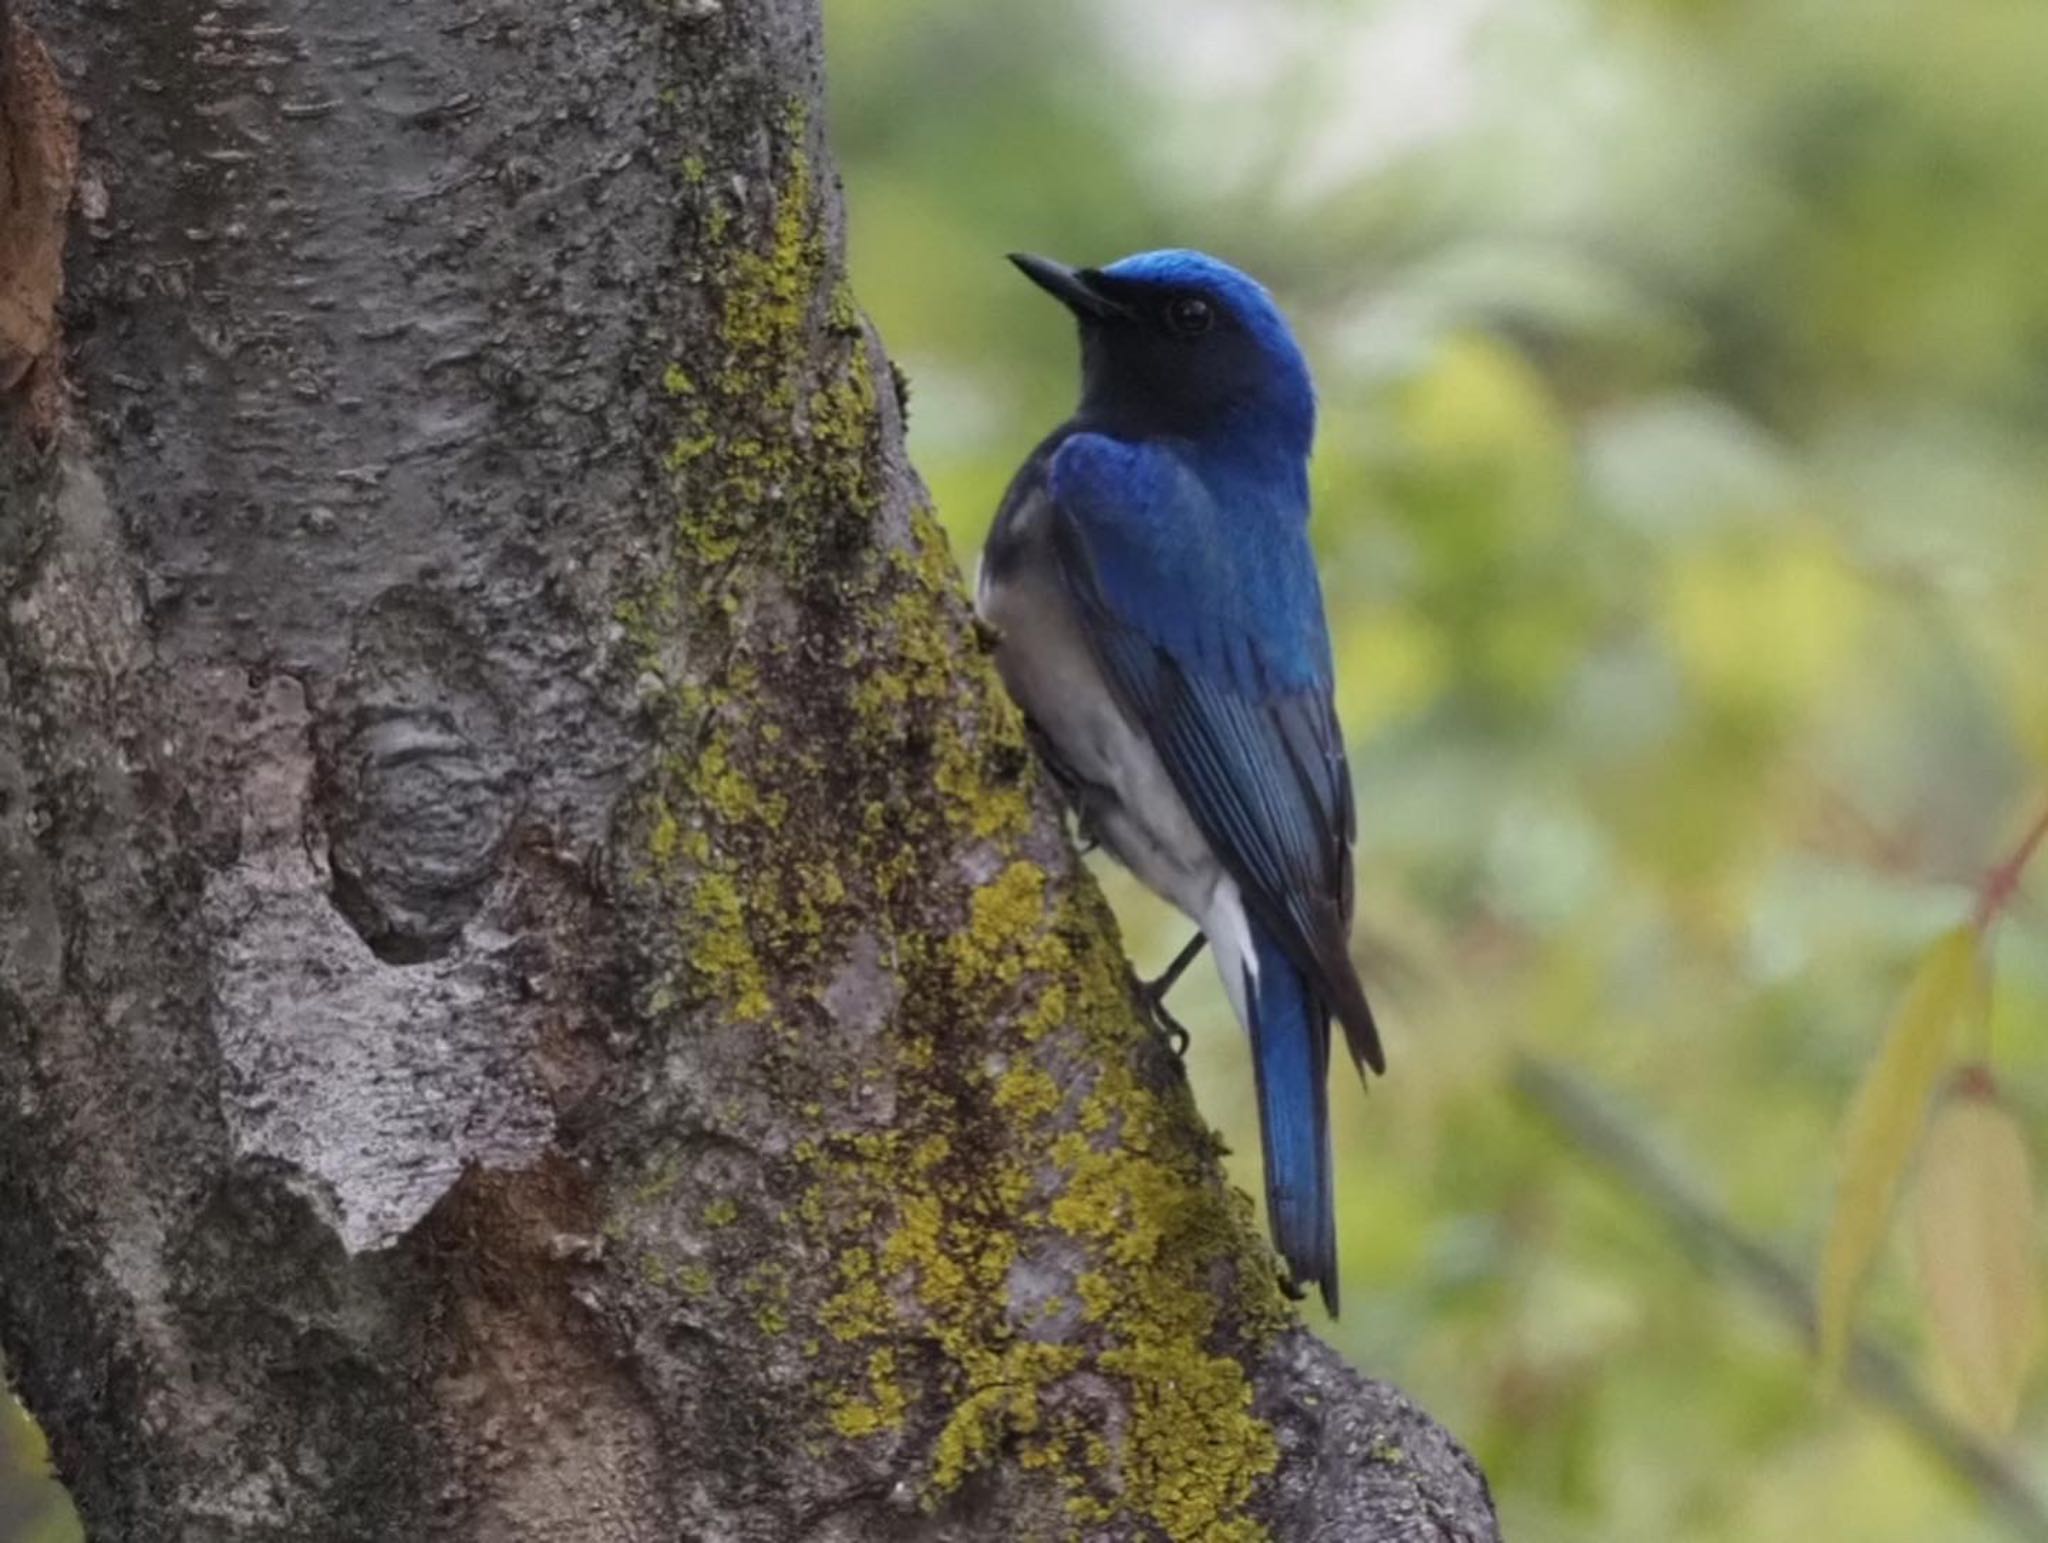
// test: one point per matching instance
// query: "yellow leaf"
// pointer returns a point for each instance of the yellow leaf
(1973, 1215)
(1884, 1123)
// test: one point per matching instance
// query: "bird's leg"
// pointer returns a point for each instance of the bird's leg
(1154, 996)
(1179, 967)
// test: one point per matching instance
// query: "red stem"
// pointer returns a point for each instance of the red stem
(2003, 882)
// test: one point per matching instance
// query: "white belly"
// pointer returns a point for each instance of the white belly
(1132, 805)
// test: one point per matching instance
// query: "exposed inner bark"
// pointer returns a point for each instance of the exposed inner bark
(540, 996)
(38, 160)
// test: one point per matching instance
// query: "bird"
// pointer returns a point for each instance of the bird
(1156, 613)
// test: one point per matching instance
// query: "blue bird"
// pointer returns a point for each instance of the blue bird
(1157, 615)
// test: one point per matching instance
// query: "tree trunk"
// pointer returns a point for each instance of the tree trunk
(541, 996)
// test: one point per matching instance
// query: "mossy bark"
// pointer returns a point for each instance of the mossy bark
(540, 993)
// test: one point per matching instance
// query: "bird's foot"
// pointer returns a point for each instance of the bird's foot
(1153, 995)
(1291, 1288)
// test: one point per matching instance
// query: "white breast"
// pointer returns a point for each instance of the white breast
(1128, 800)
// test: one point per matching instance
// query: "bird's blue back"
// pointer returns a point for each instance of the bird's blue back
(1170, 524)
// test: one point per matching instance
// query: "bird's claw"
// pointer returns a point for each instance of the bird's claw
(1170, 1029)
(1153, 994)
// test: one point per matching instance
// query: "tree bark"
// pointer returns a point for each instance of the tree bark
(541, 996)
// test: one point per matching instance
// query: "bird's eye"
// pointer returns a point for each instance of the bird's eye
(1189, 315)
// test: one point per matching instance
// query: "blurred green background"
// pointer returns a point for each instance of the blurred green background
(33, 1507)
(1682, 495)
(1683, 504)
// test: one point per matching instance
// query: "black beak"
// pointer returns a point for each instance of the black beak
(1074, 287)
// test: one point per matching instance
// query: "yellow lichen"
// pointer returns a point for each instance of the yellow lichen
(860, 1309)
(722, 1212)
(1027, 1092)
(1174, 1256)
(732, 796)
(882, 1409)
(767, 855)
(1005, 922)
(722, 951)
(693, 1279)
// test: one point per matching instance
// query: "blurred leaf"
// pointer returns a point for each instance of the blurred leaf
(1973, 1214)
(1391, 664)
(1566, 299)
(1481, 418)
(1884, 1124)
(1678, 464)
(1765, 630)
(34, 1510)
(22, 1447)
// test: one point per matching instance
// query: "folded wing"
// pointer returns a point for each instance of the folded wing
(1227, 670)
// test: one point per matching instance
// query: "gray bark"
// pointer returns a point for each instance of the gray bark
(540, 995)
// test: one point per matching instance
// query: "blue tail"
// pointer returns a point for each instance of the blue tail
(1290, 1032)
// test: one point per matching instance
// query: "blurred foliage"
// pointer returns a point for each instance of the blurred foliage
(1975, 1218)
(1683, 503)
(1885, 1120)
(1979, 1270)
(33, 1506)
(1684, 523)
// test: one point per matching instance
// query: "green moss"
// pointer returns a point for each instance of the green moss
(810, 451)
(768, 1287)
(883, 1407)
(1005, 923)
(722, 1212)
(693, 1280)
(660, 1181)
(860, 1309)
(722, 950)
(1177, 1253)
(1175, 1257)
(1027, 1092)
(735, 798)
(762, 857)
(683, 450)
(979, 1423)
(844, 315)
(775, 287)
(915, 688)
(665, 837)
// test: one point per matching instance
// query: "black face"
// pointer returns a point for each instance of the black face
(1157, 358)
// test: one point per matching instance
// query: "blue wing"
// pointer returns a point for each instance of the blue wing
(1218, 649)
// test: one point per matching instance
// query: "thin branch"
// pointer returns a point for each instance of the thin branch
(2003, 882)
(1588, 1120)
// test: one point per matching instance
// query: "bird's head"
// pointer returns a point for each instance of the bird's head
(1177, 343)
